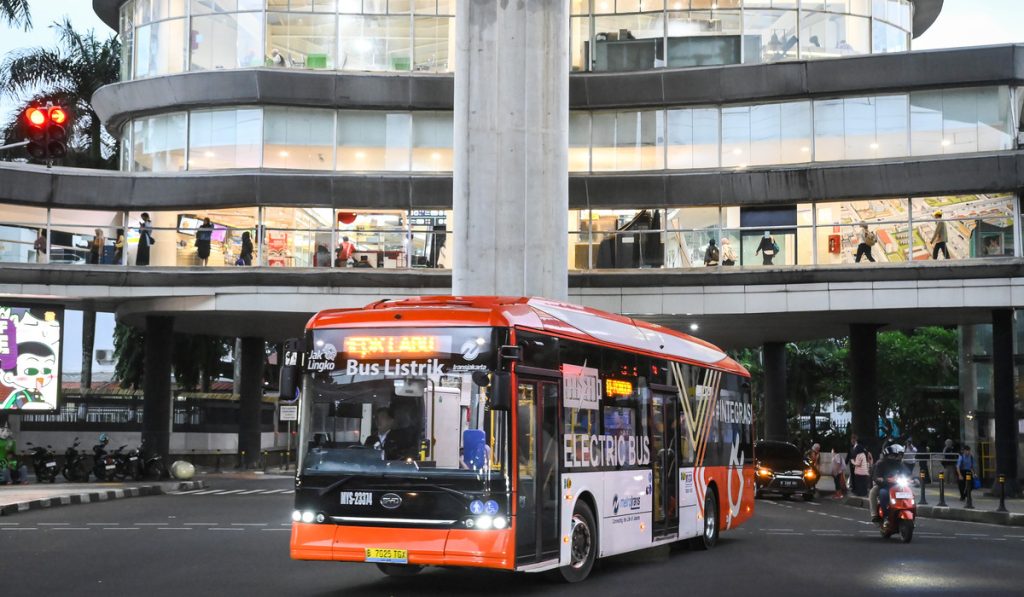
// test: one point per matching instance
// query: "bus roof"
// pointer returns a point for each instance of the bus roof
(562, 319)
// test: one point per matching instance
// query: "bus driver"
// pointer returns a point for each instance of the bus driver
(395, 442)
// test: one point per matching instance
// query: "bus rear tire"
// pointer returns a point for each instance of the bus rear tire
(582, 546)
(709, 537)
(399, 570)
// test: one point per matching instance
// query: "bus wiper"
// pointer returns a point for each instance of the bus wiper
(335, 485)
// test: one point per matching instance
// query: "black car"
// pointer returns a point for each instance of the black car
(780, 468)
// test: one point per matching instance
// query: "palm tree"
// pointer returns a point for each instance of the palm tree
(16, 13)
(68, 75)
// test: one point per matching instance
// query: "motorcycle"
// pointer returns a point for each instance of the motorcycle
(122, 464)
(902, 511)
(130, 465)
(152, 465)
(75, 466)
(44, 461)
(104, 464)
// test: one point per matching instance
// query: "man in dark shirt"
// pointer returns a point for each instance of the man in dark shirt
(394, 442)
(887, 470)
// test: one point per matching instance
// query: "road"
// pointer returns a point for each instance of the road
(211, 542)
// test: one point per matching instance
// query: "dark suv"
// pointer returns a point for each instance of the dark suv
(780, 468)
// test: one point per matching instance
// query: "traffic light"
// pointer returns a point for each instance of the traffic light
(47, 137)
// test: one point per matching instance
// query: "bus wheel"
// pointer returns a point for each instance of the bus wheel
(709, 537)
(399, 570)
(582, 545)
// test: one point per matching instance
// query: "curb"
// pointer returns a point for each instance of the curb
(959, 514)
(95, 496)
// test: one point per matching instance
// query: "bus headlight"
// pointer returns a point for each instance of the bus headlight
(297, 516)
(307, 517)
(484, 522)
(500, 522)
(320, 517)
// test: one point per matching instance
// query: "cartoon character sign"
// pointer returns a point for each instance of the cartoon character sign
(30, 357)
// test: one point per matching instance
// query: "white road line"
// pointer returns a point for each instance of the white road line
(787, 534)
(251, 491)
(826, 531)
(280, 491)
(202, 524)
(52, 524)
(102, 524)
(25, 529)
(284, 524)
(778, 530)
(149, 524)
(942, 537)
(248, 524)
(70, 529)
(224, 529)
(1014, 536)
(173, 529)
(289, 491)
(282, 530)
(120, 528)
(230, 491)
(972, 535)
(208, 492)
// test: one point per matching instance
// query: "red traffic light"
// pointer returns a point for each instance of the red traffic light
(36, 117)
(58, 115)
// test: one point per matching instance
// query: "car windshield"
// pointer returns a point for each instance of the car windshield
(777, 453)
(400, 402)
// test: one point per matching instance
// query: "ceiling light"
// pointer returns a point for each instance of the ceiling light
(694, 327)
(435, 156)
(874, 146)
(946, 142)
(805, 149)
(283, 154)
(737, 151)
(360, 155)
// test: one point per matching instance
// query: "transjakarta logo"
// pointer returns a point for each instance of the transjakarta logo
(471, 349)
(582, 450)
(322, 358)
(626, 503)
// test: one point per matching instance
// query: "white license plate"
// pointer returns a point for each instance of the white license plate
(904, 495)
(110, 466)
(134, 458)
(51, 464)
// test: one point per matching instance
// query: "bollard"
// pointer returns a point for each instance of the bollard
(969, 480)
(942, 490)
(1002, 494)
(923, 501)
(266, 462)
(217, 469)
(241, 461)
(287, 459)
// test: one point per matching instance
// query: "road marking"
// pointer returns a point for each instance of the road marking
(51, 524)
(173, 529)
(149, 524)
(224, 529)
(70, 529)
(284, 524)
(289, 491)
(251, 491)
(972, 535)
(248, 524)
(280, 491)
(284, 530)
(826, 531)
(1014, 536)
(207, 492)
(230, 491)
(102, 524)
(120, 528)
(787, 534)
(184, 492)
(778, 530)
(202, 524)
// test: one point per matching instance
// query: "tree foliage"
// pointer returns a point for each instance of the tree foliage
(129, 355)
(68, 75)
(16, 13)
(197, 360)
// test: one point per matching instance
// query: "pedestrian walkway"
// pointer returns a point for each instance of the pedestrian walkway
(232, 492)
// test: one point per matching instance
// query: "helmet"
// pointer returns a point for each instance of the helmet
(5, 433)
(938, 213)
(103, 438)
(894, 450)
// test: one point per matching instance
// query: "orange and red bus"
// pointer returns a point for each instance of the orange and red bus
(511, 433)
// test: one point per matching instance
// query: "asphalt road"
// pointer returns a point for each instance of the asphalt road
(236, 543)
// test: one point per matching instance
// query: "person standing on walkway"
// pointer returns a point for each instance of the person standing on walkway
(246, 254)
(838, 475)
(861, 474)
(40, 246)
(343, 254)
(855, 448)
(146, 240)
(728, 255)
(964, 465)
(939, 237)
(867, 240)
(767, 248)
(203, 236)
(119, 247)
(96, 247)
(711, 254)
(949, 458)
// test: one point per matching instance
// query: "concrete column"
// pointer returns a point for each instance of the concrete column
(1003, 397)
(775, 425)
(250, 400)
(863, 383)
(968, 389)
(156, 384)
(511, 184)
(88, 346)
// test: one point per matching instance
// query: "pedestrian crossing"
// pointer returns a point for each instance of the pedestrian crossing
(232, 492)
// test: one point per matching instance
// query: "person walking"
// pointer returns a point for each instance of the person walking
(768, 248)
(119, 247)
(910, 456)
(964, 465)
(711, 254)
(146, 240)
(96, 247)
(728, 255)
(855, 448)
(939, 237)
(861, 473)
(867, 240)
(838, 475)
(203, 236)
(344, 252)
(246, 254)
(949, 458)
(40, 246)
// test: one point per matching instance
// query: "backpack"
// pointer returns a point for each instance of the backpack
(712, 256)
(870, 239)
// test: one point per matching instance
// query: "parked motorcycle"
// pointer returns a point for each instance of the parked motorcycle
(130, 465)
(902, 511)
(152, 463)
(76, 467)
(44, 461)
(104, 465)
(122, 464)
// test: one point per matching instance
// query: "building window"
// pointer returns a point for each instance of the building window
(221, 139)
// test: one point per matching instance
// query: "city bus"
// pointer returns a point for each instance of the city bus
(518, 434)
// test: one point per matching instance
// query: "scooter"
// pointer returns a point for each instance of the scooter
(152, 463)
(902, 511)
(44, 461)
(75, 466)
(104, 465)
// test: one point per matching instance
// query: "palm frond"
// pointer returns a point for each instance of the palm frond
(16, 13)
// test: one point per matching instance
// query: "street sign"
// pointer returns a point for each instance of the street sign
(289, 413)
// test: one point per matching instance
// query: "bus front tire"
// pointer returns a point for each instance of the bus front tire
(582, 546)
(709, 537)
(399, 570)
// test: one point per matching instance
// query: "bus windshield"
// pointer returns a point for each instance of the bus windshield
(400, 402)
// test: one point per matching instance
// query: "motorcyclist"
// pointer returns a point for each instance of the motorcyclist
(10, 471)
(887, 470)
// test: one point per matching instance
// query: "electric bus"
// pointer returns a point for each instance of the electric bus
(511, 433)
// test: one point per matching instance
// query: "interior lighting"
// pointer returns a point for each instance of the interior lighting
(805, 149)
(283, 154)
(360, 155)
(694, 327)
(874, 146)
(737, 151)
(435, 156)
(946, 142)
(209, 154)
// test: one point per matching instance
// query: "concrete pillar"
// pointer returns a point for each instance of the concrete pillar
(156, 384)
(1003, 397)
(863, 383)
(968, 390)
(88, 346)
(250, 400)
(775, 424)
(511, 184)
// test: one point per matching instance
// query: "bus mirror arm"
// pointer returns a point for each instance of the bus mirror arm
(501, 391)
(291, 362)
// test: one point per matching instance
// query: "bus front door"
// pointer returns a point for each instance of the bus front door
(537, 487)
(665, 432)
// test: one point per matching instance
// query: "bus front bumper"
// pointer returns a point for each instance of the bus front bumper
(426, 547)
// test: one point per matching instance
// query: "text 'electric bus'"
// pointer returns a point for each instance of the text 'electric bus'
(511, 433)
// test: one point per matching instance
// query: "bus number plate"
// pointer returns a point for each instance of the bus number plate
(387, 556)
(356, 498)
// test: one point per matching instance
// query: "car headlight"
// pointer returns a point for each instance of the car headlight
(764, 472)
(809, 473)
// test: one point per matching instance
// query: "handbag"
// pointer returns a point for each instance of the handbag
(977, 483)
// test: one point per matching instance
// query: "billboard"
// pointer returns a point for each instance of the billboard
(30, 345)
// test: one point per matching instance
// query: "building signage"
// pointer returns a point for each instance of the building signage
(581, 387)
(289, 412)
(30, 345)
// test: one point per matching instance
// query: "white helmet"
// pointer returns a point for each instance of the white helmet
(894, 450)
(5, 433)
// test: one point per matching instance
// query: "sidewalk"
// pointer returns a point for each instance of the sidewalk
(19, 498)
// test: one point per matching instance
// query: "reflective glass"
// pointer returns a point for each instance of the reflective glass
(158, 143)
(703, 38)
(769, 36)
(579, 141)
(432, 141)
(225, 41)
(374, 43)
(225, 139)
(435, 44)
(373, 140)
(628, 42)
(692, 138)
(298, 138)
(300, 40)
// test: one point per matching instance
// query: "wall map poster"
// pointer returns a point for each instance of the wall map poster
(30, 345)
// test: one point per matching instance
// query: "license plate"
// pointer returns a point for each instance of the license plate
(110, 466)
(789, 483)
(387, 556)
(51, 464)
(134, 458)
(904, 495)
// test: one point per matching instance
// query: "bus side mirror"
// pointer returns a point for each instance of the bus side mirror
(292, 359)
(501, 391)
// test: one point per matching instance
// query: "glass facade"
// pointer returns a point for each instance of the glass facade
(162, 37)
(868, 127)
(820, 233)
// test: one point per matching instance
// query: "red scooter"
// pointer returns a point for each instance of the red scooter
(902, 511)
